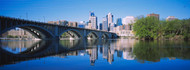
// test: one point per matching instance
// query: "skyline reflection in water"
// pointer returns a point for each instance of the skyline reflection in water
(92, 52)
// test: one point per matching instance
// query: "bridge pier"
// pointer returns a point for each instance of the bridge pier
(56, 38)
(56, 33)
(84, 36)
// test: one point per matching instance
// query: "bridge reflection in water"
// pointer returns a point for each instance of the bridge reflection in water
(12, 52)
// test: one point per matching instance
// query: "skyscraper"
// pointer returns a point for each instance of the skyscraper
(92, 13)
(100, 26)
(119, 22)
(104, 24)
(109, 19)
(93, 20)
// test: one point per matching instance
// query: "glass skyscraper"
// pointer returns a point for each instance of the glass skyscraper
(110, 20)
(104, 24)
(119, 22)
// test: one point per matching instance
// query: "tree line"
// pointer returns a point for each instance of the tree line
(151, 28)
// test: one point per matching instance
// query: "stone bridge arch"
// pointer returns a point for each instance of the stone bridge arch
(93, 35)
(36, 31)
(105, 36)
(76, 33)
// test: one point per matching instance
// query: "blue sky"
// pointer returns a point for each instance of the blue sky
(78, 10)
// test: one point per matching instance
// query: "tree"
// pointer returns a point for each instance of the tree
(172, 28)
(147, 28)
(185, 28)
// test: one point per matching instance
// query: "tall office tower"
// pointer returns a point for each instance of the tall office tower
(104, 24)
(100, 26)
(154, 15)
(93, 20)
(170, 18)
(119, 22)
(109, 19)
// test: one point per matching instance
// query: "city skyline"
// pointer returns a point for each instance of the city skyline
(73, 10)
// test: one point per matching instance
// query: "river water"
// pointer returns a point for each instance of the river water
(94, 54)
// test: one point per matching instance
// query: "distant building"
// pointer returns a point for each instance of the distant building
(93, 20)
(89, 26)
(100, 26)
(104, 24)
(125, 33)
(20, 33)
(82, 24)
(109, 19)
(63, 22)
(124, 30)
(53, 22)
(119, 22)
(170, 18)
(72, 24)
(154, 15)
(86, 25)
(60, 22)
(128, 20)
(112, 25)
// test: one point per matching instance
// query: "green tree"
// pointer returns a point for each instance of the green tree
(172, 28)
(186, 28)
(147, 28)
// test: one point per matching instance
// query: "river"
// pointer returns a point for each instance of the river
(99, 54)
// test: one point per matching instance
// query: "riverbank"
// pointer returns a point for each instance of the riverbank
(127, 37)
(177, 37)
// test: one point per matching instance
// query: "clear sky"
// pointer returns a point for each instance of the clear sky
(78, 10)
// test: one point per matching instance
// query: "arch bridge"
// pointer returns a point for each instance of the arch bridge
(51, 31)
